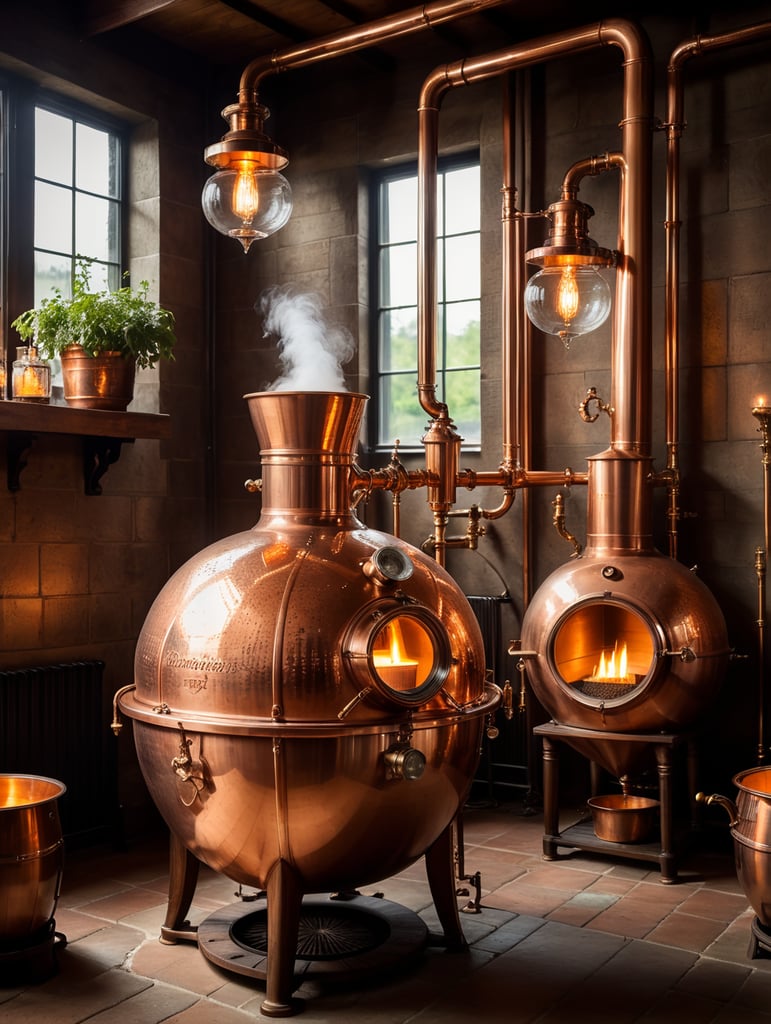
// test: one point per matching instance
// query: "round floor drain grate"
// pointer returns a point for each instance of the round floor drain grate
(325, 933)
(341, 937)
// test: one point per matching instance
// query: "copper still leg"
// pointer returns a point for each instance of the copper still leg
(440, 870)
(183, 876)
(284, 905)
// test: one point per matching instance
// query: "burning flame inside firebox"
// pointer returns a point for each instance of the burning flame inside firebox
(604, 650)
(612, 667)
(403, 654)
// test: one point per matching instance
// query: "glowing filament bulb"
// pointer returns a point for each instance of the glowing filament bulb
(567, 296)
(246, 195)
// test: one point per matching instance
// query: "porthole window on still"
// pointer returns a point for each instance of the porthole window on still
(603, 650)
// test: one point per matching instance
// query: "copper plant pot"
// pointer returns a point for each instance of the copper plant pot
(750, 820)
(104, 381)
(619, 818)
(31, 854)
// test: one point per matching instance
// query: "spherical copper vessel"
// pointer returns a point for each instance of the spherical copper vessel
(309, 694)
(675, 634)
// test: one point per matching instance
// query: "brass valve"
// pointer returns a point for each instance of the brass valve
(508, 700)
(190, 774)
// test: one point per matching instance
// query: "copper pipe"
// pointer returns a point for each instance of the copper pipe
(763, 416)
(631, 357)
(403, 23)
(471, 479)
(511, 313)
(760, 575)
(675, 124)
(524, 341)
(511, 326)
(442, 79)
(589, 166)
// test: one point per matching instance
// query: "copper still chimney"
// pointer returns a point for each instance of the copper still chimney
(310, 694)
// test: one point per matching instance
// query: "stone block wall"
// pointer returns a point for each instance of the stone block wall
(78, 572)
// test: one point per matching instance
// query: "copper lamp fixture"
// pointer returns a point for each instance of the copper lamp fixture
(248, 197)
(568, 296)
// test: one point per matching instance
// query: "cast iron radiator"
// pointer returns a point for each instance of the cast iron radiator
(54, 722)
(504, 769)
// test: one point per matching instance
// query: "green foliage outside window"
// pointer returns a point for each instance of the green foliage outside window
(458, 342)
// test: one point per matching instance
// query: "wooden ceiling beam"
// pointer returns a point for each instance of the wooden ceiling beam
(104, 15)
(272, 21)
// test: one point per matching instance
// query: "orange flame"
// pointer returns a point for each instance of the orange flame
(612, 666)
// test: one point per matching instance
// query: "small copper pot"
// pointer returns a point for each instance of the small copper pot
(619, 818)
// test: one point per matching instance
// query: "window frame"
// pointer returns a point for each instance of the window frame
(20, 97)
(409, 169)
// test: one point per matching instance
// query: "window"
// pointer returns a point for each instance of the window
(62, 188)
(62, 196)
(399, 414)
(78, 193)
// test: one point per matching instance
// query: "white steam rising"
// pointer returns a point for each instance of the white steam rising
(312, 351)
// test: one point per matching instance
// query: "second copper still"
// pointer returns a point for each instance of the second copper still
(310, 694)
(625, 640)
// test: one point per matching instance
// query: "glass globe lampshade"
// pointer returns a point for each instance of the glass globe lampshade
(247, 202)
(568, 300)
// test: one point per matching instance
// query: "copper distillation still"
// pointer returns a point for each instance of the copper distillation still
(272, 738)
(309, 695)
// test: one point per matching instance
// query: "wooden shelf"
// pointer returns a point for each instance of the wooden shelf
(103, 433)
(39, 418)
(581, 836)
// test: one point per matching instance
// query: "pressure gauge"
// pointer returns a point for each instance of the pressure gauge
(404, 762)
(389, 565)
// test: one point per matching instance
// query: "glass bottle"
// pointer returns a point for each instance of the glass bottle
(31, 378)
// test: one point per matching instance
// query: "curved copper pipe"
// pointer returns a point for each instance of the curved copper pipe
(675, 124)
(403, 23)
(631, 351)
(588, 167)
(511, 332)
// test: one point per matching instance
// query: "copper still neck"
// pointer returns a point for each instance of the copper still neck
(308, 442)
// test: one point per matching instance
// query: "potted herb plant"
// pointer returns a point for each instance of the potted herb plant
(100, 338)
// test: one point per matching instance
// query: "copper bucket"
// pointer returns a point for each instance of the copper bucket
(31, 856)
(750, 820)
(619, 818)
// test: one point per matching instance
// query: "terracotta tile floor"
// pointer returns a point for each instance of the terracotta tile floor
(586, 938)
